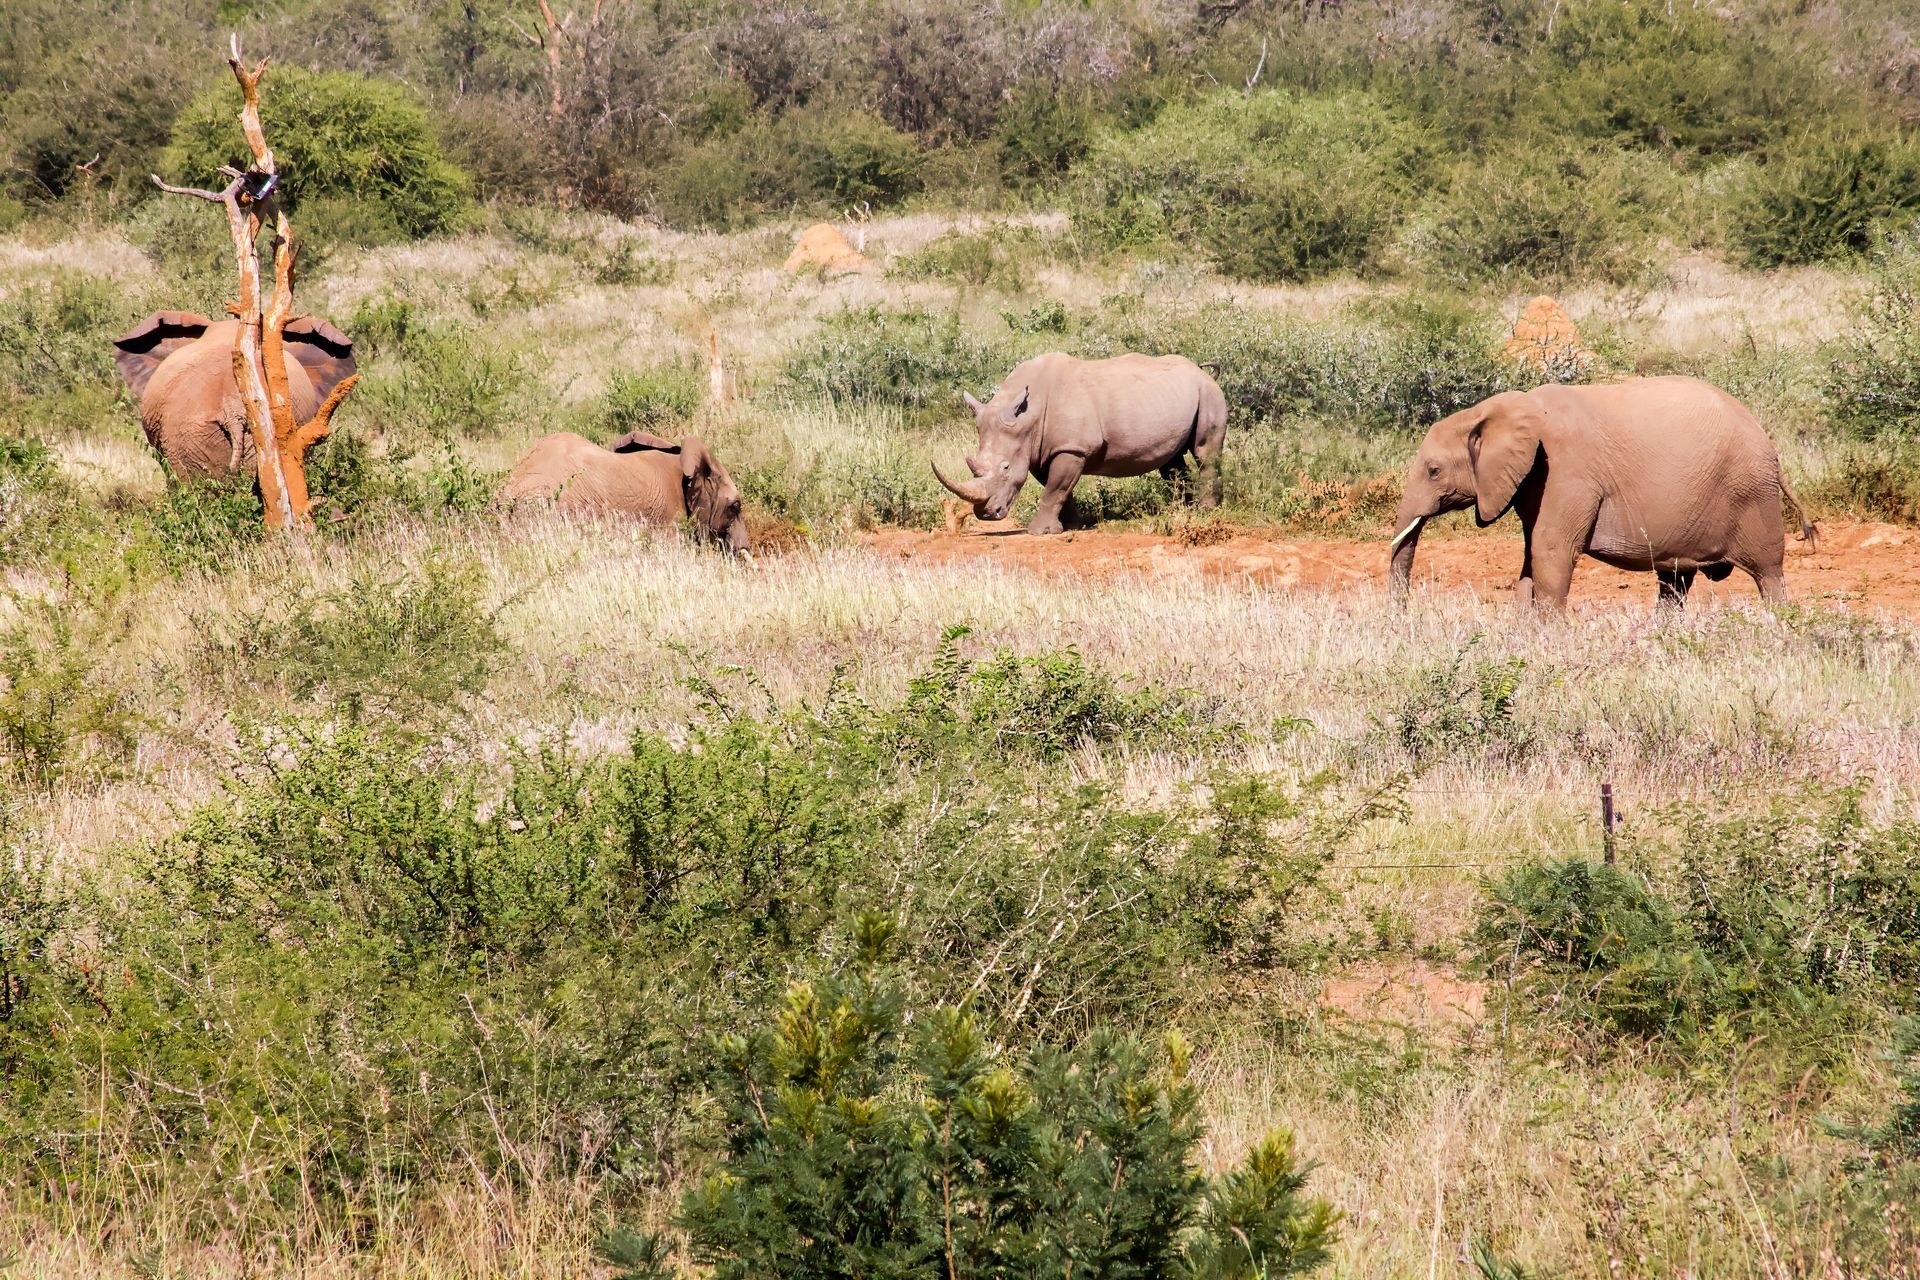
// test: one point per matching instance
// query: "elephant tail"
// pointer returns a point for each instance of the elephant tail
(1809, 532)
(1211, 366)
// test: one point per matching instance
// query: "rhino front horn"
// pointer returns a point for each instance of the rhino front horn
(975, 493)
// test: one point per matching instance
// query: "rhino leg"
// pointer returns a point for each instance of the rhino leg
(1209, 435)
(1063, 472)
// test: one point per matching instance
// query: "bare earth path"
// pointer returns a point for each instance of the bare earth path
(1865, 566)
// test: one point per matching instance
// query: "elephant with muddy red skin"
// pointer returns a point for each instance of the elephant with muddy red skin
(1665, 475)
(1058, 418)
(180, 366)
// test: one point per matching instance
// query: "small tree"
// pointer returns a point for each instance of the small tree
(259, 354)
(858, 1146)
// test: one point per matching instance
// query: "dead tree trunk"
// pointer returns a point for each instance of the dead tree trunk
(555, 32)
(280, 443)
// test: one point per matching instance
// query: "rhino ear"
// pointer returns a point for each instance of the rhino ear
(325, 352)
(141, 349)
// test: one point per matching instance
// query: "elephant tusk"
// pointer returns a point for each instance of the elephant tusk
(1401, 536)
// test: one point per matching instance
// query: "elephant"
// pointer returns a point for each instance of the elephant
(640, 475)
(1060, 418)
(180, 366)
(1668, 474)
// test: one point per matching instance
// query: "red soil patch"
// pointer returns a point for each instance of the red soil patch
(1867, 566)
(1410, 995)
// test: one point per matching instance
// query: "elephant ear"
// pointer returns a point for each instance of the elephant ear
(324, 351)
(695, 462)
(635, 441)
(141, 350)
(1502, 449)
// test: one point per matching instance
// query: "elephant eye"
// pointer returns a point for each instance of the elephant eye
(1433, 471)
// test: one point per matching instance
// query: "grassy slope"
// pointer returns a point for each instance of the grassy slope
(1423, 1136)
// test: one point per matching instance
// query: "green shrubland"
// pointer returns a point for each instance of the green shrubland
(358, 155)
(453, 893)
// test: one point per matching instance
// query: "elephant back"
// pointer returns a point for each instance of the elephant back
(192, 412)
(568, 472)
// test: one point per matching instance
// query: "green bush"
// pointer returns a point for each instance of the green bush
(860, 158)
(1779, 925)
(1043, 130)
(1896, 1139)
(804, 159)
(189, 245)
(1039, 707)
(427, 912)
(88, 87)
(202, 525)
(1458, 702)
(1678, 76)
(999, 254)
(1544, 213)
(449, 382)
(1874, 480)
(1824, 196)
(855, 1147)
(913, 359)
(58, 336)
(1402, 363)
(61, 714)
(407, 641)
(660, 400)
(334, 134)
(33, 911)
(1873, 374)
(42, 515)
(1274, 187)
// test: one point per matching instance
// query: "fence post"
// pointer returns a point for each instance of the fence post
(1606, 820)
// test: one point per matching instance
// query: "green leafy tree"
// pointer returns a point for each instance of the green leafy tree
(860, 1142)
(335, 134)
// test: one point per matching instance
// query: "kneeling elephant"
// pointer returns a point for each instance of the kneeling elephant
(1668, 475)
(1059, 418)
(638, 475)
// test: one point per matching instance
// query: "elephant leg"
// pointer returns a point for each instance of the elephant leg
(1674, 585)
(1063, 472)
(1763, 551)
(1560, 538)
(1526, 505)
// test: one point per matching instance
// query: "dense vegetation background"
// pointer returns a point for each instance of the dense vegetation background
(467, 891)
(1280, 139)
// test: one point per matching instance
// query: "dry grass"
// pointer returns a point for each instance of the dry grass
(1424, 1140)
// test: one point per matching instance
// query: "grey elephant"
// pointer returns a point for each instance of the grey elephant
(1668, 475)
(180, 365)
(644, 476)
(1059, 418)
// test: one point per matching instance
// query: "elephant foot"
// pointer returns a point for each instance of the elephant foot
(1043, 526)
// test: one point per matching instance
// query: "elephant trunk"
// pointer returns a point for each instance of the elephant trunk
(1401, 571)
(975, 492)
